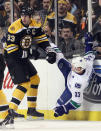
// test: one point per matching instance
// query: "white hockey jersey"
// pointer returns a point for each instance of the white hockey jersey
(74, 83)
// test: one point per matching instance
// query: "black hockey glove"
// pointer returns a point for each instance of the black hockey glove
(51, 57)
(34, 54)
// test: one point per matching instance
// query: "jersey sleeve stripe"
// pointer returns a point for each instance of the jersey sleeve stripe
(38, 37)
(11, 45)
(10, 51)
(11, 48)
(41, 41)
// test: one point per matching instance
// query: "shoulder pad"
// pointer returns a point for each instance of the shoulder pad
(15, 26)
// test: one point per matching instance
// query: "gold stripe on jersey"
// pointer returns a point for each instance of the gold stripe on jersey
(11, 48)
(40, 39)
(12, 51)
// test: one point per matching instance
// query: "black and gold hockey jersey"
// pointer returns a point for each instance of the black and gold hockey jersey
(20, 37)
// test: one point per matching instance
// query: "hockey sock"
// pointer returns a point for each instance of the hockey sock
(3, 104)
(32, 91)
(18, 95)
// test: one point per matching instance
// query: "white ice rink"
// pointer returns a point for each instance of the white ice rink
(43, 125)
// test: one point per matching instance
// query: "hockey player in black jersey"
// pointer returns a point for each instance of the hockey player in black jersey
(18, 52)
(3, 100)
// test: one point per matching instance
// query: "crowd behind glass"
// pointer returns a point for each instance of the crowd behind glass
(72, 20)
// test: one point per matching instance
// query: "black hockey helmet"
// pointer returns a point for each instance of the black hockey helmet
(26, 11)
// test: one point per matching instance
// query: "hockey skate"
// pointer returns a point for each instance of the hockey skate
(17, 115)
(33, 114)
(8, 122)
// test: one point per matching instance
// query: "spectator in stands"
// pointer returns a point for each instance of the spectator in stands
(68, 44)
(48, 31)
(69, 7)
(37, 18)
(7, 7)
(64, 17)
(46, 9)
(19, 5)
(35, 5)
(5, 15)
(97, 37)
(16, 15)
(96, 9)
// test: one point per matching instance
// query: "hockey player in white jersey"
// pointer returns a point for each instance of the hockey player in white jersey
(77, 75)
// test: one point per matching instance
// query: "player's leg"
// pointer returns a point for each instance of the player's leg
(3, 104)
(19, 77)
(32, 97)
(3, 101)
(17, 97)
(32, 92)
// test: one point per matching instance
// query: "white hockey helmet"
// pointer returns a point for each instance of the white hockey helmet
(79, 62)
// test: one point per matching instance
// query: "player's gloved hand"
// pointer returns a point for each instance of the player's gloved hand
(60, 110)
(51, 55)
(88, 38)
(88, 42)
(34, 54)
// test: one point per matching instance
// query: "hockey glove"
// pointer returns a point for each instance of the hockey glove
(88, 42)
(60, 110)
(51, 57)
(34, 54)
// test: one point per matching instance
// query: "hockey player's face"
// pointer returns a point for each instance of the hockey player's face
(25, 19)
(78, 70)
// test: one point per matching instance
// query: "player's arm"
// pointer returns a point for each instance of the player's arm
(61, 62)
(42, 42)
(41, 39)
(11, 46)
(89, 50)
